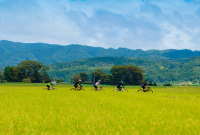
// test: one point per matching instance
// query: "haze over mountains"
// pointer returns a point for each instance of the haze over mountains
(12, 53)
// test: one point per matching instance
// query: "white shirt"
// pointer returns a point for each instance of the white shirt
(97, 83)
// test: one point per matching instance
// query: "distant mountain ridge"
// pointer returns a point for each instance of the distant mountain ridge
(12, 53)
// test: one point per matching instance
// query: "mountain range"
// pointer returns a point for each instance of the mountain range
(12, 53)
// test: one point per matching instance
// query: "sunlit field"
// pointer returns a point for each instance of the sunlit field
(27, 109)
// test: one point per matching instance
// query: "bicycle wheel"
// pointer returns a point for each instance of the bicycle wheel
(55, 89)
(82, 89)
(150, 91)
(94, 89)
(103, 89)
(125, 90)
(139, 90)
(115, 89)
(72, 89)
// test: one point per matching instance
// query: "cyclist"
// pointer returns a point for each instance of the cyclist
(97, 83)
(143, 86)
(48, 85)
(76, 84)
(118, 86)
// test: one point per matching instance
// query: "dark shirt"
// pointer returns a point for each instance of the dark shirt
(144, 84)
(119, 84)
(76, 83)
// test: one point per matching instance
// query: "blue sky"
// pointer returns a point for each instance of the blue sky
(135, 24)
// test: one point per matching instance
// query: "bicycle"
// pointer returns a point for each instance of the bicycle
(100, 89)
(80, 88)
(123, 89)
(147, 90)
(53, 88)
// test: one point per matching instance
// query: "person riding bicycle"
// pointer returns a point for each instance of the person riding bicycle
(48, 85)
(76, 84)
(97, 83)
(120, 84)
(143, 86)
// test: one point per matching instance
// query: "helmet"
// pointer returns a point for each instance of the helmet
(121, 81)
(147, 82)
(79, 80)
(99, 80)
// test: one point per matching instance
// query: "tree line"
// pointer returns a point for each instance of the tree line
(130, 74)
(35, 72)
(26, 71)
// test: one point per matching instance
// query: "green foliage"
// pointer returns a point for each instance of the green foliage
(168, 84)
(154, 84)
(97, 75)
(35, 71)
(8, 74)
(84, 76)
(76, 77)
(107, 78)
(59, 80)
(44, 74)
(150, 83)
(15, 74)
(128, 73)
(31, 69)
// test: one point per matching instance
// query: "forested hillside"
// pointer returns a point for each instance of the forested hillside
(12, 53)
(155, 70)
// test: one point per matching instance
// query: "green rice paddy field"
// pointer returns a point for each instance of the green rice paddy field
(27, 109)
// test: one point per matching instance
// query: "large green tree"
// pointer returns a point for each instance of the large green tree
(76, 77)
(36, 71)
(84, 76)
(8, 73)
(97, 75)
(15, 74)
(106, 78)
(45, 75)
(128, 73)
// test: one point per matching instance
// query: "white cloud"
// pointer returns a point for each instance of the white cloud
(133, 24)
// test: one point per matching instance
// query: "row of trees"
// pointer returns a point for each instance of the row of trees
(32, 71)
(83, 76)
(27, 71)
(130, 74)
